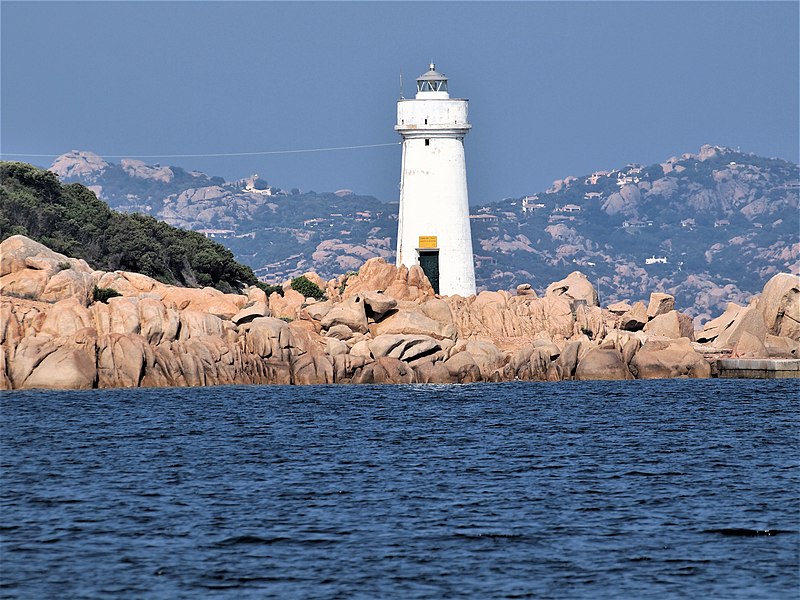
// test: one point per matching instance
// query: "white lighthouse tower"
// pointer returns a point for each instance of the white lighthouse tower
(433, 229)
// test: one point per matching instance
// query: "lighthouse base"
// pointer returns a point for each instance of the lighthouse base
(429, 262)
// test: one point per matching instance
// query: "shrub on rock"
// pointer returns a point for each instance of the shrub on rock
(104, 294)
(308, 288)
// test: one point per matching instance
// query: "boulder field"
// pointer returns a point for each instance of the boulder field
(382, 325)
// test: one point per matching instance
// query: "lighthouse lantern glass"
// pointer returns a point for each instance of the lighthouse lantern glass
(427, 85)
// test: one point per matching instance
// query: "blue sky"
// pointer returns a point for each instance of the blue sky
(555, 88)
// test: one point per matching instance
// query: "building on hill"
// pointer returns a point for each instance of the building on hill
(255, 185)
(531, 203)
(485, 218)
(217, 233)
(595, 177)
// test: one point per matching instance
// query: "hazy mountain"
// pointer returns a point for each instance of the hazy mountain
(724, 222)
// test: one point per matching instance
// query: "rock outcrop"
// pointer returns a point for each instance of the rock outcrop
(660, 359)
(660, 304)
(576, 286)
(376, 275)
(779, 306)
(670, 324)
(381, 325)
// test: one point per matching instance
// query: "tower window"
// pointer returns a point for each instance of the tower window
(438, 85)
(426, 121)
(427, 142)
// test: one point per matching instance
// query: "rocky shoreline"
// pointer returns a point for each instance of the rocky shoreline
(381, 325)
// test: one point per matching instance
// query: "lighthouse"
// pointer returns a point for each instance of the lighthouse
(433, 229)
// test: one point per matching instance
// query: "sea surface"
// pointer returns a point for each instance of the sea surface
(639, 489)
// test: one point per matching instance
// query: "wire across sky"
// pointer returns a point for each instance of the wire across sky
(211, 154)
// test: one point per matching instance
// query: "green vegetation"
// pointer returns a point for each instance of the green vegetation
(269, 289)
(347, 277)
(308, 288)
(103, 294)
(71, 220)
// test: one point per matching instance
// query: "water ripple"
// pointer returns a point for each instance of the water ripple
(518, 490)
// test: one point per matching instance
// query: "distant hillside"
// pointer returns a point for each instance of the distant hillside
(71, 220)
(709, 228)
(280, 233)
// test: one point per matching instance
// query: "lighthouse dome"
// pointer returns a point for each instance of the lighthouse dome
(432, 84)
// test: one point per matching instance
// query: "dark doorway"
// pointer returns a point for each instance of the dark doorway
(429, 261)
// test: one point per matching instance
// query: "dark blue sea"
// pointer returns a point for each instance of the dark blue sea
(640, 489)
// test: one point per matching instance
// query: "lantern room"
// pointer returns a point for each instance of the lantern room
(432, 85)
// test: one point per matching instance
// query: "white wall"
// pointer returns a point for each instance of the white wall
(411, 114)
(433, 198)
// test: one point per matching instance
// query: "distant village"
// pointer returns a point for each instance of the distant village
(532, 204)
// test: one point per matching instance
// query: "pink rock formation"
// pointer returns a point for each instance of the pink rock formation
(386, 326)
(400, 284)
(576, 286)
(673, 358)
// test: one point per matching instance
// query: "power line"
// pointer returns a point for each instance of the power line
(212, 154)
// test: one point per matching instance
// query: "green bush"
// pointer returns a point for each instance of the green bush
(103, 294)
(63, 266)
(308, 288)
(269, 289)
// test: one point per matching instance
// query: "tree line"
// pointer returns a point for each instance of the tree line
(70, 219)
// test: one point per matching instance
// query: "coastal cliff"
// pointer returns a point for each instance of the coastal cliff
(381, 325)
